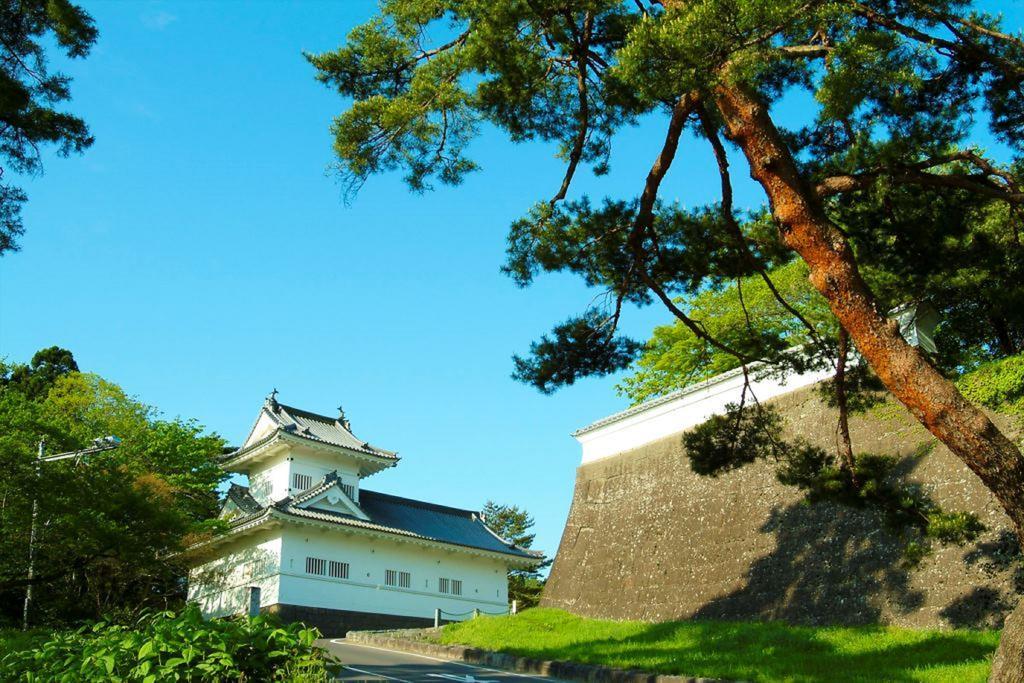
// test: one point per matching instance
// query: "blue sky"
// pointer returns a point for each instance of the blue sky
(200, 254)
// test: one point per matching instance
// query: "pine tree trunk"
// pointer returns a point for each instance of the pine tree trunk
(908, 375)
(845, 443)
(1008, 665)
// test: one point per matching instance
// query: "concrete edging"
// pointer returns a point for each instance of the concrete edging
(412, 640)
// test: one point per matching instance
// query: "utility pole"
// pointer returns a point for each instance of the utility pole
(105, 443)
(32, 542)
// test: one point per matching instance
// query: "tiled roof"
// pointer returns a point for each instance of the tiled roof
(437, 522)
(320, 427)
(400, 516)
(307, 425)
(243, 500)
(329, 480)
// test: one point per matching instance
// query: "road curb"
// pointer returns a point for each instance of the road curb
(413, 641)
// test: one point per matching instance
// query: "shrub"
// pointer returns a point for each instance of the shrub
(12, 639)
(998, 385)
(174, 647)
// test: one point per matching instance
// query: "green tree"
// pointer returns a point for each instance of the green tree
(940, 249)
(892, 90)
(108, 525)
(514, 524)
(36, 378)
(674, 357)
(29, 94)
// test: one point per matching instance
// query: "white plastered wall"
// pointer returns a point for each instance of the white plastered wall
(220, 585)
(317, 463)
(691, 407)
(270, 480)
(484, 584)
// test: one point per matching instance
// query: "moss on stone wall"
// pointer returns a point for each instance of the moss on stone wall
(648, 539)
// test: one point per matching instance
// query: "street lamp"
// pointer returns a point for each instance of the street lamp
(99, 445)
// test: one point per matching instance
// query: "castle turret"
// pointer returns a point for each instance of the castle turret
(289, 451)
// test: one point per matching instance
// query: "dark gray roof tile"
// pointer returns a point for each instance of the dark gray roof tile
(307, 425)
(392, 514)
(240, 496)
(320, 427)
(438, 522)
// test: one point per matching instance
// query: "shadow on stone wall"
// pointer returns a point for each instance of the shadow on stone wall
(982, 606)
(648, 539)
(828, 561)
(851, 566)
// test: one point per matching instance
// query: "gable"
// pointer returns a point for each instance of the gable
(230, 510)
(263, 427)
(334, 499)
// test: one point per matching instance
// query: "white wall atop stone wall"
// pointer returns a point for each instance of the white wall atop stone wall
(484, 583)
(682, 410)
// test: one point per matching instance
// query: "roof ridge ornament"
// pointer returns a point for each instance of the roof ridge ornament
(272, 400)
(343, 421)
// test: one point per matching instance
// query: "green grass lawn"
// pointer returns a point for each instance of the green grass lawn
(738, 650)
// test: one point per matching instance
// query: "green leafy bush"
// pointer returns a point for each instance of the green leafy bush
(998, 385)
(12, 639)
(174, 647)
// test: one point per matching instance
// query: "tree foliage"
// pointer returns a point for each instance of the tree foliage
(885, 144)
(36, 378)
(108, 523)
(873, 176)
(577, 348)
(942, 249)
(514, 524)
(998, 385)
(744, 314)
(30, 95)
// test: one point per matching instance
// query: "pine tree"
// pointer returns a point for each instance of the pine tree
(896, 87)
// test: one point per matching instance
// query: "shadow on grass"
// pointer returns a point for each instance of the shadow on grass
(775, 652)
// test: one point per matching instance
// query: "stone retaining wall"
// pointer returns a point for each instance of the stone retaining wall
(334, 623)
(648, 539)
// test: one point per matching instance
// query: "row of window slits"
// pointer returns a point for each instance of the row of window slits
(392, 577)
(305, 481)
(451, 586)
(332, 568)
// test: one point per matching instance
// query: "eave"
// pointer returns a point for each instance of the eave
(273, 443)
(272, 518)
(239, 529)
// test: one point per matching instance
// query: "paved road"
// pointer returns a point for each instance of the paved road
(368, 663)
